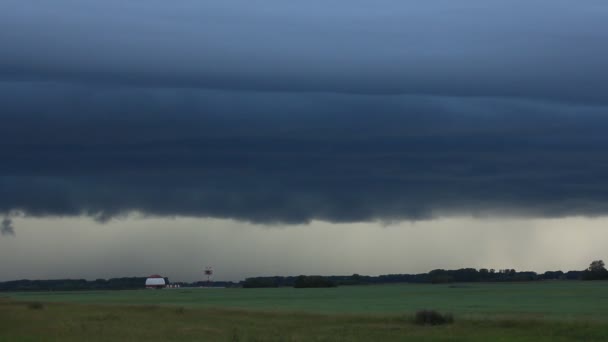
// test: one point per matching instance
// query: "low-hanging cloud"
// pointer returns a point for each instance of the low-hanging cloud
(294, 157)
(280, 112)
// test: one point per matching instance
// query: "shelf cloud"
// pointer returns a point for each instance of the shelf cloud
(284, 157)
(273, 112)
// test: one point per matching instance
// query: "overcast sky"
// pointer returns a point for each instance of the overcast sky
(283, 119)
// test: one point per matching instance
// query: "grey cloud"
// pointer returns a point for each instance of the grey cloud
(539, 50)
(272, 111)
(289, 157)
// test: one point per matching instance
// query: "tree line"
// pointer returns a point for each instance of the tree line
(438, 276)
(595, 271)
(125, 283)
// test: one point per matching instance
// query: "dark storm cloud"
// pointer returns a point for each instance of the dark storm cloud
(541, 49)
(292, 157)
(271, 111)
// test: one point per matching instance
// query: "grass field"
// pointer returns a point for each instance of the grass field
(548, 311)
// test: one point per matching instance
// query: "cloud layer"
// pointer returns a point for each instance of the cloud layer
(294, 157)
(545, 49)
(275, 112)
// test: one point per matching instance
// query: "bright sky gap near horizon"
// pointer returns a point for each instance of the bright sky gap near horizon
(311, 137)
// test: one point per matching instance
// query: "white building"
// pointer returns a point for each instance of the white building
(155, 281)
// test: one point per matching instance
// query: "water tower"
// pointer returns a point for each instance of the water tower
(209, 274)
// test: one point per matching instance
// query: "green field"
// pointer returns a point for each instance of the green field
(509, 311)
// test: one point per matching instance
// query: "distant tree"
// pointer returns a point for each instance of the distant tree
(257, 282)
(553, 275)
(574, 275)
(597, 266)
(313, 281)
(355, 279)
(596, 271)
(440, 276)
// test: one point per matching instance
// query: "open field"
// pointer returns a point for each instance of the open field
(550, 311)
(557, 299)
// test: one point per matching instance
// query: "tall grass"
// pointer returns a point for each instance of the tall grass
(78, 322)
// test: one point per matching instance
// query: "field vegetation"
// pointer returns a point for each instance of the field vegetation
(538, 311)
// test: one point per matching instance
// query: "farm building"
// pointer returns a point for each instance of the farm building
(155, 281)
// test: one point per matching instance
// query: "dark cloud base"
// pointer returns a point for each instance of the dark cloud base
(71, 150)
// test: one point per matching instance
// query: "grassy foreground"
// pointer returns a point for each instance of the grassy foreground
(77, 322)
(553, 311)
